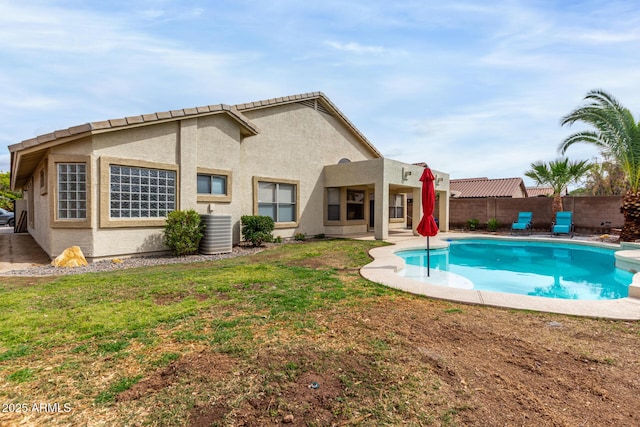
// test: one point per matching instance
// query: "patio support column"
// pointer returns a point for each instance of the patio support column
(382, 209)
(416, 212)
(188, 156)
(443, 210)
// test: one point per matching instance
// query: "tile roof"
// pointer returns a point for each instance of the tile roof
(485, 187)
(235, 112)
(317, 100)
(539, 191)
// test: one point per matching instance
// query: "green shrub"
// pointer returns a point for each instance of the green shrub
(183, 232)
(473, 223)
(300, 237)
(257, 229)
(493, 224)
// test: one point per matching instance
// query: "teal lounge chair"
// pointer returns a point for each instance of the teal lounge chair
(563, 224)
(523, 223)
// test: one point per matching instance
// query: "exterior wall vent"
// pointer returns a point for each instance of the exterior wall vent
(311, 103)
(318, 106)
(217, 235)
(322, 108)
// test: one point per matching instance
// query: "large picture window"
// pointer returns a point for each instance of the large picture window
(137, 192)
(277, 200)
(72, 191)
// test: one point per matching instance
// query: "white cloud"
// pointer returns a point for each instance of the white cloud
(356, 48)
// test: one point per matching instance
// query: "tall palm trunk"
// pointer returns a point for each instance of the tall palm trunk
(557, 204)
(630, 209)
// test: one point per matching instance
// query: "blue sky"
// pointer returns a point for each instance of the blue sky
(472, 88)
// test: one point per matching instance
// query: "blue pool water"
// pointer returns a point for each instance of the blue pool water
(552, 270)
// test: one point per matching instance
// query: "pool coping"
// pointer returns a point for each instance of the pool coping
(385, 265)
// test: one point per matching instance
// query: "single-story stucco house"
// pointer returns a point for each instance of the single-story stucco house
(108, 186)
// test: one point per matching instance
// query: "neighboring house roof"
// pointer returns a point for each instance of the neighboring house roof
(485, 187)
(539, 191)
(543, 192)
(32, 150)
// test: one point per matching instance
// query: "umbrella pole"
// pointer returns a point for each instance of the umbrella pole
(428, 259)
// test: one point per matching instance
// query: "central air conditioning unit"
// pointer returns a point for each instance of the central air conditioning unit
(217, 237)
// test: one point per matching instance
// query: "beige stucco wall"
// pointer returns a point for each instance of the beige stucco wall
(54, 240)
(294, 143)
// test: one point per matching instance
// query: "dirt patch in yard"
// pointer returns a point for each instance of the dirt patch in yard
(427, 363)
(211, 366)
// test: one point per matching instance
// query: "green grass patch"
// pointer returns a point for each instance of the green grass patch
(14, 353)
(119, 386)
(21, 375)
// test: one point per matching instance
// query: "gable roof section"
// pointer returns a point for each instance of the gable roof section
(485, 187)
(318, 101)
(26, 155)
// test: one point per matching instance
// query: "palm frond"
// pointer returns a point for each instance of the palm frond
(616, 133)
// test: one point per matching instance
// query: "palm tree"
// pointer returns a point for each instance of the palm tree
(617, 135)
(558, 174)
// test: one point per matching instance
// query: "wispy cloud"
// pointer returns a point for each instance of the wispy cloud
(357, 48)
(459, 84)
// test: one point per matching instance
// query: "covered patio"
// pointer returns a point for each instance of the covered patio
(373, 195)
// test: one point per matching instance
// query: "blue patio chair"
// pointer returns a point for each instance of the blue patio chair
(563, 224)
(523, 223)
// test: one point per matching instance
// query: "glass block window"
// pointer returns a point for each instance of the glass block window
(277, 200)
(212, 184)
(333, 204)
(396, 206)
(72, 190)
(140, 192)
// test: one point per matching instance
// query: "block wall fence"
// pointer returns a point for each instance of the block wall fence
(589, 213)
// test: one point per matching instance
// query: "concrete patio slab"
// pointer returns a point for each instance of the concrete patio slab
(19, 251)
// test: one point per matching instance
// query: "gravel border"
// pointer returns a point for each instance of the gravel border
(125, 263)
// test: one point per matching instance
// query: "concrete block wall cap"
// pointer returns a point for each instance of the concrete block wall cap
(74, 130)
(118, 122)
(150, 117)
(100, 125)
(177, 113)
(62, 133)
(25, 144)
(164, 115)
(190, 111)
(205, 109)
(134, 119)
(46, 137)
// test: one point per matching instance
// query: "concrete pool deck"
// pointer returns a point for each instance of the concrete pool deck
(385, 266)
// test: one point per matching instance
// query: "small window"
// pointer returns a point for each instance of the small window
(72, 191)
(396, 206)
(333, 204)
(212, 184)
(277, 200)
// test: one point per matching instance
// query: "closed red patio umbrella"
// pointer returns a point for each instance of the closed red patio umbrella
(427, 226)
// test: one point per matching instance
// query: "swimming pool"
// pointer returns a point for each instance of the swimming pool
(546, 269)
